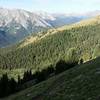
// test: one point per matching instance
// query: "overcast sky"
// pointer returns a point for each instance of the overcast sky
(53, 6)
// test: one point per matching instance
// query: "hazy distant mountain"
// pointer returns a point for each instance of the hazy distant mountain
(91, 14)
(57, 20)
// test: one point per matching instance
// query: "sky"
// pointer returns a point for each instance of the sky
(53, 6)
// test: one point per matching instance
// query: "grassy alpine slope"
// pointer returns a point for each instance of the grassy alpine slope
(79, 83)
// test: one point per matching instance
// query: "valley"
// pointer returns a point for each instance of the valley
(49, 57)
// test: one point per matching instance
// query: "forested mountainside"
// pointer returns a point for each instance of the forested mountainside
(71, 44)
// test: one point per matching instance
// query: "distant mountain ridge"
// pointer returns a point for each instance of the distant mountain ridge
(16, 24)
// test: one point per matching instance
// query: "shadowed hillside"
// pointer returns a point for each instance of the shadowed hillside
(79, 83)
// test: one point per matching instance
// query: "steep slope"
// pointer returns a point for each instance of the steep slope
(18, 24)
(79, 83)
(3, 39)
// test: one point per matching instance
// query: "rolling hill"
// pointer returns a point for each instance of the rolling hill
(79, 83)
